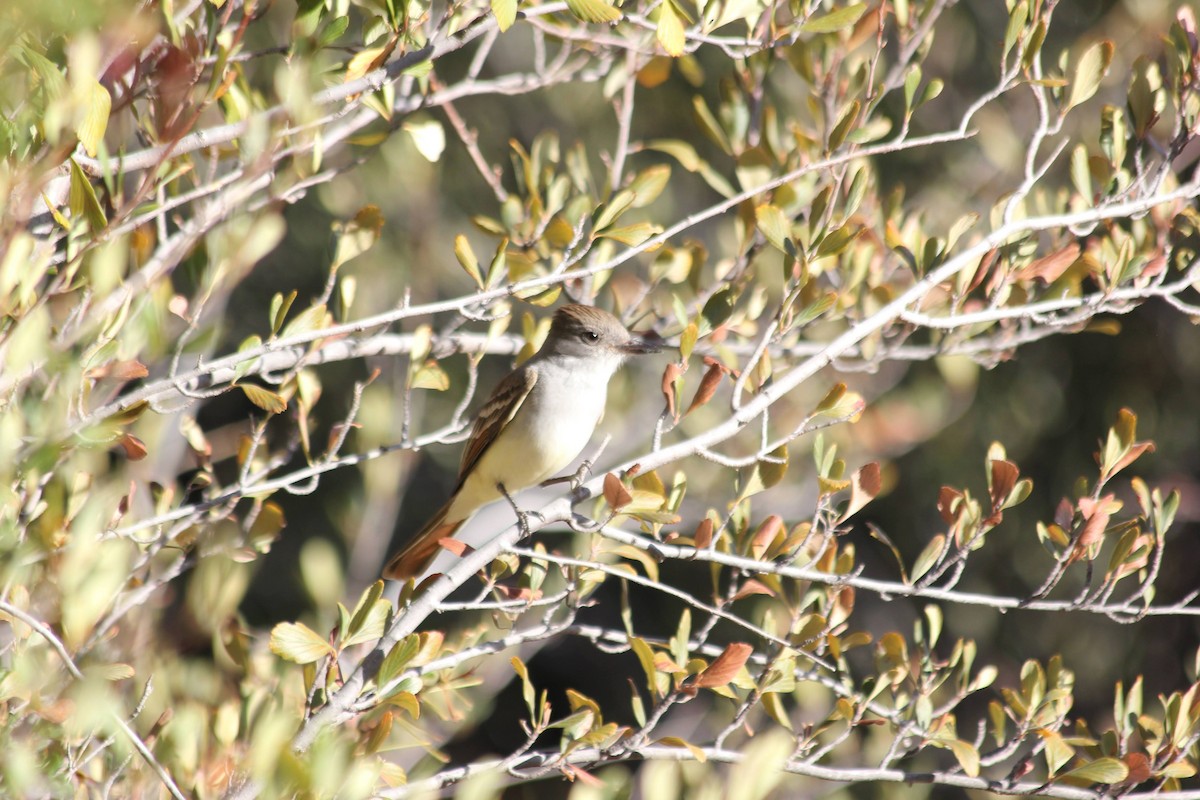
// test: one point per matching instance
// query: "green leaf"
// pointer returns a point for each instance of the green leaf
(333, 31)
(265, 399)
(309, 320)
(593, 10)
(295, 641)
(83, 201)
(719, 307)
(280, 306)
(774, 224)
(466, 257)
(506, 13)
(1102, 770)
(397, 659)
(835, 21)
(1091, 69)
(618, 205)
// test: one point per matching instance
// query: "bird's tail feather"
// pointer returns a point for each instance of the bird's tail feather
(421, 549)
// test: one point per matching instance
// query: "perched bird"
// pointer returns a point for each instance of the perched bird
(536, 422)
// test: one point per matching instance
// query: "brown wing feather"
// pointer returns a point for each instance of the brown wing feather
(500, 408)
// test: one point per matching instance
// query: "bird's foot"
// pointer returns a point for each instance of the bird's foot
(576, 479)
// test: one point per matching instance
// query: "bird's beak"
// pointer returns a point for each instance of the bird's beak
(640, 344)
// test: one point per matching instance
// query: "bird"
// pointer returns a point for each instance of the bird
(537, 420)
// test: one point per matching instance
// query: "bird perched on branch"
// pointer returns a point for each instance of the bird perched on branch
(536, 422)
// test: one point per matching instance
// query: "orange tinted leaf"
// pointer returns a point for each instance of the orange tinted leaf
(765, 534)
(135, 448)
(708, 387)
(456, 546)
(723, 669)
(704, 534)
(672, 372)
(264, 398)
(615, 492)
(751, 587)
(1050, 268)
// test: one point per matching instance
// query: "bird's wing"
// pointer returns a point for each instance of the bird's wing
(496, 413)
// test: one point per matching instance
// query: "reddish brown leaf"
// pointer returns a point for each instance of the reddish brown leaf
(985, 266)
(456, 546)
(751, 587)
(1139, 768)
(865, 485)
(615, 492)
(723, 669)
(1050, 268)
(1004, 478)
(704, 534)
(947, 497)
(135, 448)
(672, 372)
(119, 371)
(765, 534)
(519, 592)
(708, 387)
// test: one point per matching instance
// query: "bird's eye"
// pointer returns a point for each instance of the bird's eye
(590, 336)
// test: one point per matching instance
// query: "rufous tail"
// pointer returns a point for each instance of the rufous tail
(416, 555)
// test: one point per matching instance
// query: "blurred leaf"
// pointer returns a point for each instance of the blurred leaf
(834, 21)
(95, 119)
(1102, 770)
(593, 10)
(670, 31)
(506, 13)
(265, 399)
(83, 201)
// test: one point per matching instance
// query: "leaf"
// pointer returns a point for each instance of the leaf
(1048, 269)
(670, 29)
(430, 375)
(135, 448)
(95, 120)
(708, 387)
(397, 659)
(358, 235)
(506, 13)
(725, 666)
(310, 319)
(649, 184)
(765, 535)
(835, 21)
(674, 741)
(296, 642)
(632, 235)
(1102, 770)
(865, 485)
(967, 756)
(593, 10)
(615, 493)
(703, 536)
(82, 199)
(774, 225)
(428, 137)
(265, 399)
(1091, 69)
